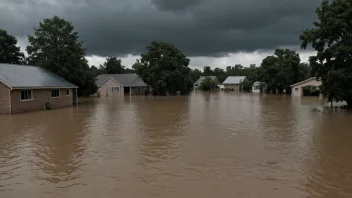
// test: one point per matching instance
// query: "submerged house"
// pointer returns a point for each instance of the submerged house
(258, 87)
(234, 83)
(28, 88)
(120, 84)
(297, 89)
(202, 78)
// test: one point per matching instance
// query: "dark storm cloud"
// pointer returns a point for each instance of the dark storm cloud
(198, 27)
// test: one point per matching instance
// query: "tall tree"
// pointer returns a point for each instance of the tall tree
(207, 71)
(165, 69)
(55, 47)
(195, 74)
(332, 39)
(282, 70)
(113, 66)
(9, 52)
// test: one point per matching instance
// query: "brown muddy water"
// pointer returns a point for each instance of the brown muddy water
(205, 145)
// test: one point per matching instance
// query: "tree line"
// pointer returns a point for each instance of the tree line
(55, 46)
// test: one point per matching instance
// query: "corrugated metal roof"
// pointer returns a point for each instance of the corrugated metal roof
(258, 83)
(201, 78)
(126, 80)
(234, 80)
(23, 76)
(304, 81)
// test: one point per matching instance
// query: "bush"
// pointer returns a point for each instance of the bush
(311, 91)
(208, 84)
(48, 105)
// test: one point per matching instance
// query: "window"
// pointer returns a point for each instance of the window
(115, 89)
(67, 92)
(55, 93)
(296, 89)
(26, 95)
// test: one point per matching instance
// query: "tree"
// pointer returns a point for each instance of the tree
(9, 52)
(165, 69)
(55, 47)
(207, 71)
(220, 73)
(195, 75)
(208, 84)
(113, 66)
(332, 39)
(281, 70)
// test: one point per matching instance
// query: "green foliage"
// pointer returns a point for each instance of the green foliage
(332, 37)
(48, 105)
(282, 70)
(55, 47)
(165, 69)
(195, 74)
(9, 52)
(311, 91)
(113, 66)
(208, 84)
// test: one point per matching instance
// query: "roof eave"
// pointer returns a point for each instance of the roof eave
(76, 87)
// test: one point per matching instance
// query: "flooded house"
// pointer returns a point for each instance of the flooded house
(120, 84)
(258, 87)
(234, 83)
(297, 89)
(30, 88)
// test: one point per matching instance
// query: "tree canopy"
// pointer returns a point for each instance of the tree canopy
(208, 84)
(165, 69)
(113, 66)
(331, 37)
(282, 70)
(55, 47)
(9, 52)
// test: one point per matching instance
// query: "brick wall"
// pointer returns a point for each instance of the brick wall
(40, 96)
(4, 99)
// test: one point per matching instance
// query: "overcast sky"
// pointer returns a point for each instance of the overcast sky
(211, 32)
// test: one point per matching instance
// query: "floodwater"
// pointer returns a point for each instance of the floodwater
(204, 145)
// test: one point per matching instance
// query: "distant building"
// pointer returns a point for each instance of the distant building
(120, 84)
(234, 83)
(297, 89)
(28, 88)
(202, 78)
(257, 86)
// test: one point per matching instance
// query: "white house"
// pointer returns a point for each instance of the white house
(297, 89)
(256, 87)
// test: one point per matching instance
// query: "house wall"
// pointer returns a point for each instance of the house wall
(298, 89)
(105, 89)
(4, 99)
(255, 90)
(40, 96)
(235, 87)
(138, 90)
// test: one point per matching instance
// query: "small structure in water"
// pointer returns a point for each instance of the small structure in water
(297, 89)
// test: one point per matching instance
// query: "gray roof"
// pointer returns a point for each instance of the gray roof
(22, 76)
(125, 80)
(258, 83)
(201, 78)
(309, 79)
(234, 80)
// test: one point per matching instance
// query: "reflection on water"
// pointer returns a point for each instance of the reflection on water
(202, 145)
